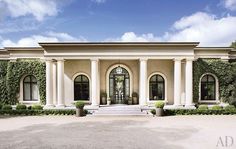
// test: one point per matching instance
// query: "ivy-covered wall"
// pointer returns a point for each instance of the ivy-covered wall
(14, 71)
(3, 87)
(225, 72)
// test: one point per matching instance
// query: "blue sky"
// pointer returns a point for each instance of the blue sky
(26, 22)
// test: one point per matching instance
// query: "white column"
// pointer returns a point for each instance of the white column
(49, 84)
(177, 82)
(142, 81)
(60, 83)
(94, 82)
(189, 82)
(54, 74)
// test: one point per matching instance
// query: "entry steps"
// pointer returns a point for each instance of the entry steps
(122, 110)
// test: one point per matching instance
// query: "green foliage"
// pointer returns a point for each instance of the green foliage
(12, 74)
(0, 106)
(159, 104)
(233, 45)
(199, 112)
(216, 107)
(79, 104)
(229, 107)
(225, 72)
(6, 107)
(38, 112)
(153, 111)
(3, 86)
(37, 107)
(21, 107)
(202, 107)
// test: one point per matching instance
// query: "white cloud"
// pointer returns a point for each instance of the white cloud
(38, 8)
(132, 37)
(204, 27)
(229, 4)
(200, 27)
(33, 40)
(99, 1)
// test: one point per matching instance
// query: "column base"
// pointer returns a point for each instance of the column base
(60, 106)
(48, 106)
(191, 106)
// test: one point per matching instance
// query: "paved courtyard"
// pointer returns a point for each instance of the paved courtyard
(69, 132)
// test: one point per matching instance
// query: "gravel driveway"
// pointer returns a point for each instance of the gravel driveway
(69, 132)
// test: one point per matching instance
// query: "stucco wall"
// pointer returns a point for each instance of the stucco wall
(165, 67)
(72, 68)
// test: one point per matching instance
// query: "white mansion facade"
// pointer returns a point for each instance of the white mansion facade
(153, 70)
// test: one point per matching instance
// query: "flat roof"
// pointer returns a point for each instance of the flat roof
(118, 44)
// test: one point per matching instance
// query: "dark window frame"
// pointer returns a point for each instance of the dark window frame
(31, 83)
(155, 84)
(207, 84)
(85, 88)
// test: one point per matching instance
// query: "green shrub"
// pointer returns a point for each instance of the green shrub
(229, 107)
(0, 106)
(216, 107)
(153, 111)
(21, 107)
(29, 107)
(37, 107)
(79, 104)
(6, 107)
(159, 104)
(202, 107)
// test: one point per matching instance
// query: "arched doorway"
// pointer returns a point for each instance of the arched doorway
(119, 85)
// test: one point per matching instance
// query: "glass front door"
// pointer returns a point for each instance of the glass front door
(119, 87)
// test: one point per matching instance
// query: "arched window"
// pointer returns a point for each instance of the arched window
(208, 87)
(30, 88)
(156, 87)
(81, 88)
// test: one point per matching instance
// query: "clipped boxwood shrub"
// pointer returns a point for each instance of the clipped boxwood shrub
(229, 107)
(216, 107)
(6, 107)
(159, 104)
(153, 111)
(202, 107)
(21, 107)
(79, 104)
(37, 107)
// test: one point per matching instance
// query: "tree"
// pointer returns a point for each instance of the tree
(233, 44)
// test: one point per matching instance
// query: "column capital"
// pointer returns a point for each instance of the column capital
(178, 59)
(143, 59)
(94, 59)
(190, 59)
(60, 59)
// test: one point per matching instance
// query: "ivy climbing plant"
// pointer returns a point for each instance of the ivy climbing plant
(225, 72)
(14, 71)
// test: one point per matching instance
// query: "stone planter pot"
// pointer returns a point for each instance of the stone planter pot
(104, 100)
(135, 100)
(159, 112)
(79, 112)
(130, 102)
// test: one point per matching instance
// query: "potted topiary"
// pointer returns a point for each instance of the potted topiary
(130, 101)
(135, 98)
(159, 108)
(103, 98)
(79, 108)
(108, 101)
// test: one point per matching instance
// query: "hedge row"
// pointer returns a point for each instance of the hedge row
(200, 112)
(38, 112)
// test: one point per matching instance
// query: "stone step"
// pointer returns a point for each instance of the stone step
(120, 110)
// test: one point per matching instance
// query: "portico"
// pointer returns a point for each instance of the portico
(172, 62)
